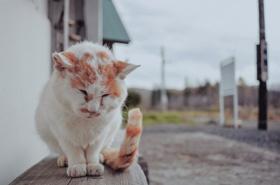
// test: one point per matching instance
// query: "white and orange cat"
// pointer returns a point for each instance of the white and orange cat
(80, 111)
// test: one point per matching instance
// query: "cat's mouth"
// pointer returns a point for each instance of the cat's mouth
(91, 115)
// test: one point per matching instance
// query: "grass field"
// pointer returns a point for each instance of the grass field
(188, 117)
(155, 117)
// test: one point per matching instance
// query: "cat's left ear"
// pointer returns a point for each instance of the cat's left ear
(63, 60)
(123, 68)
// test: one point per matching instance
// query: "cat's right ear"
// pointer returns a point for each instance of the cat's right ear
(63, 60)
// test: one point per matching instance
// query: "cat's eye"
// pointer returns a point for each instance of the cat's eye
(104, 95)
(84, 92)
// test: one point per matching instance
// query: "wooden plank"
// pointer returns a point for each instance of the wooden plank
(46, 172)
(131, 176)
(134, 175)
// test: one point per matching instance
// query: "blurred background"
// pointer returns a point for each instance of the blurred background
(181, 46)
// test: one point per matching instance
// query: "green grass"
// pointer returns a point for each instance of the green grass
(187, 117)
(200, 113)
(153, 118)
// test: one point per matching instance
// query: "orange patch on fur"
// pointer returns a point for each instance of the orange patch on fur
(120, 66)
(132, 131)
(103, 55)
(128, 158)
(58, 62)
(109, 74)
(83, 71)
(114, 88)
(100, 69)
(70, 56)
(77, 83)
(88, 55)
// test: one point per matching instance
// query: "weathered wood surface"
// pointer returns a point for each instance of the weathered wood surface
(47, 172)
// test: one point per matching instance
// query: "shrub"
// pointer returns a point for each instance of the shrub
(133, 99)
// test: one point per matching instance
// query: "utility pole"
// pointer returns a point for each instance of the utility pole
(66, 24)
(262, 72)
(163, 97)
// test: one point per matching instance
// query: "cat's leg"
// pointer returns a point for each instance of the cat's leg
(54, 146)
(76, 159)
(44, 130)
(93, 159)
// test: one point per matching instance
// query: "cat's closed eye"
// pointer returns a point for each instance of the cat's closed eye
(84, 92)
(104, 95)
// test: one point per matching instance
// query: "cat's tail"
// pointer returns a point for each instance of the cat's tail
(123, 158)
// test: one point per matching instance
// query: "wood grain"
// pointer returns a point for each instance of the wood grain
(46, 172)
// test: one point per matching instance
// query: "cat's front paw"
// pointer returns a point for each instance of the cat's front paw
(95, 169)
(62, 161)
(77, 170)
(101, 158)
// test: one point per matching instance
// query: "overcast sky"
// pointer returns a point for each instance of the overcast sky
(196, 35)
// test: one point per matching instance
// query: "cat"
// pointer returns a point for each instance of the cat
(80, 111)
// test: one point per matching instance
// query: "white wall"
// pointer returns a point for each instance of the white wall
(93, 20)
(25, 38)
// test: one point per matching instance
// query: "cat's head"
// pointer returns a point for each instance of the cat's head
(89, 81)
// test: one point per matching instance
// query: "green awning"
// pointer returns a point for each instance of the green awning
(113, 28)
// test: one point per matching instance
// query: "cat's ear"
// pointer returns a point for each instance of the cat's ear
(124, 68)
(64, 60)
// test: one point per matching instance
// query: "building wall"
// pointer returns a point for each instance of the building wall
(24, 69)
(93, 20)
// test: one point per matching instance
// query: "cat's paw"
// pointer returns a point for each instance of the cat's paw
(95, 169)
(101, 158)
(77, 170)
(62, 161)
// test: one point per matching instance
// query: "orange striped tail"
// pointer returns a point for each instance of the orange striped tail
(123, 158)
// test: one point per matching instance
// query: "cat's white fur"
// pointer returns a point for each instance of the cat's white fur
(68, 131)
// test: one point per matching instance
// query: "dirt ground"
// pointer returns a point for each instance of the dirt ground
(183, 155)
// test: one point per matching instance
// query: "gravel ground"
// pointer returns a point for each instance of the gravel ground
(211, 154)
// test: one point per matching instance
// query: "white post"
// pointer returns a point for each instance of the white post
(228, 87)
(235, 100)
(163, 99)
(222, 118)
(65, 25)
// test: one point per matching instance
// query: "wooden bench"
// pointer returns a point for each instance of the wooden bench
(46, 172)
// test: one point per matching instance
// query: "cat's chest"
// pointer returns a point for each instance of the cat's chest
(83, 133)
